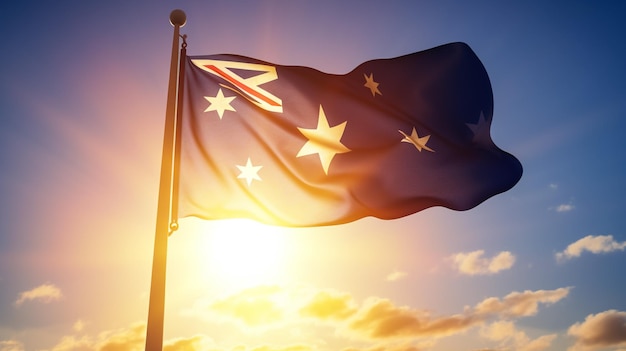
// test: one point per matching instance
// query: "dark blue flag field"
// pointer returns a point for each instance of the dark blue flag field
(293, 146)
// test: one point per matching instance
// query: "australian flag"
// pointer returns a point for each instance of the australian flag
(293, 146)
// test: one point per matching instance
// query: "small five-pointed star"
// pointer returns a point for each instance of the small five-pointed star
(249, 172)
(219, 103)
(480, 130)
(416, 140)
(371, 84)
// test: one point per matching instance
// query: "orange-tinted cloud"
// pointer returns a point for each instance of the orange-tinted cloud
(473, 263)
(395, 276)
(380, 318)
(11, 345)
(127, 339)
(594, 244)
(513, 339)
(392, 347)
(197, 342)
(43, 293)
(72, 343)
(598, 331)
(520, 304)
(124, 340)
(377, 319)
(131, 338)
(78, 326)
(329, 306)
(253, 307)
(280, 348)
(387, 326)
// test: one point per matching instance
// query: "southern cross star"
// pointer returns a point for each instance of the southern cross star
(480, 130)
(219, 103)
(371, 84)
(323, 140)
(249, 172)
(416, 140)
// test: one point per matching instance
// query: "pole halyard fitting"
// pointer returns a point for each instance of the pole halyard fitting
(173, 228)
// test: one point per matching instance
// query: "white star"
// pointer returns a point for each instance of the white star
(416, 140)
(219, 103)
(371, 84)
(249, 172)
(480, 130)
(323, 140)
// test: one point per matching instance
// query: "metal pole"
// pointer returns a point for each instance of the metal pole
(156, 308)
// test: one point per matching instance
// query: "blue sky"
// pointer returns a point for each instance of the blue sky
(83, 93)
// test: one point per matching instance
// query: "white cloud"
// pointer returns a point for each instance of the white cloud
(599, 331)
(594, 244)
(45, 293)
(564, 208)
(395, 276)
(472, 263)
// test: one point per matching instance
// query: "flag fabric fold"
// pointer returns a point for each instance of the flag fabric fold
(293, 146)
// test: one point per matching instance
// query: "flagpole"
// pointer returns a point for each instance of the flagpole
(156, 308)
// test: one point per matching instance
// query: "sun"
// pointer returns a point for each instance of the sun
(244, 251)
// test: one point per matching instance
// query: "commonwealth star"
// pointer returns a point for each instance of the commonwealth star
(249, 172)
(219, 103)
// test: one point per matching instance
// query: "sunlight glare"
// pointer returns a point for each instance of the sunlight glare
(246, 251)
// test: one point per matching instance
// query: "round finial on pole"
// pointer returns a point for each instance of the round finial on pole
(178, 18)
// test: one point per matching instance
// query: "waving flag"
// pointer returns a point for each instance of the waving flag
(293, 146)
